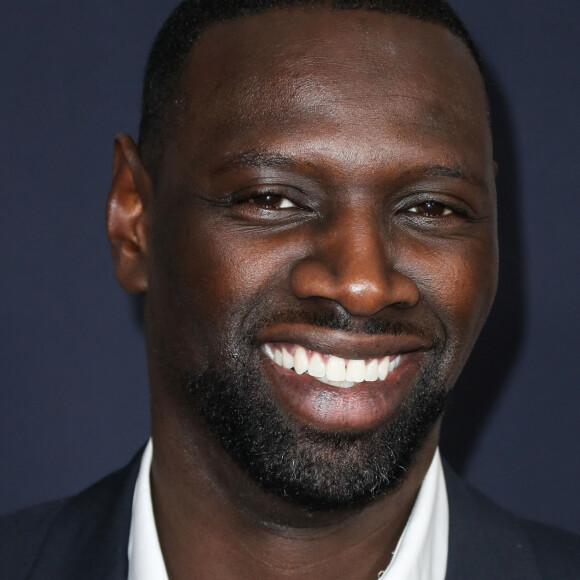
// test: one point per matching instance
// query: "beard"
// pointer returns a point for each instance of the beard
(317, 470)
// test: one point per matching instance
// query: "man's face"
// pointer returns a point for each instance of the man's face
(323, 245)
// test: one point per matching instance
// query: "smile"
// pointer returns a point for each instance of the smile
(329, 369)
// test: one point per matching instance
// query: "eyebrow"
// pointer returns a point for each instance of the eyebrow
(454, 172)
(255, 158)
(443, 171)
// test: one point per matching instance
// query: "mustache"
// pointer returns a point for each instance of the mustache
(340, 320)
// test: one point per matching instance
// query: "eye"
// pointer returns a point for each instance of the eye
(431, 209)
(272, 201)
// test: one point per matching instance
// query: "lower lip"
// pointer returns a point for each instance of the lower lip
(362, 407)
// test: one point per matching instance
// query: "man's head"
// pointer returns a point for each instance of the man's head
(322, 192)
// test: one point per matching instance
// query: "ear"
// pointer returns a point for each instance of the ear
(129, 200)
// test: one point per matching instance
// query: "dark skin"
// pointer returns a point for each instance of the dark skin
(353, 171)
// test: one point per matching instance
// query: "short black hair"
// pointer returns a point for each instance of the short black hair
(161, 101)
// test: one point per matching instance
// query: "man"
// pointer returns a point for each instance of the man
(310, 213)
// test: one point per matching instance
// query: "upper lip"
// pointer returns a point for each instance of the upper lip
(348, 345)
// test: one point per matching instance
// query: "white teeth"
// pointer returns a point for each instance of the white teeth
(384, 368)
(355, 371)
(395, 363)
(316, 368)
(332, 370)
(372, 370)
(300, 360)
(342, 384)
(268, 350)
(335, 370)
(287, 359)
(278, 357)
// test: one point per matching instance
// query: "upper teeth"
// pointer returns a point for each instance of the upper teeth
(331, 369)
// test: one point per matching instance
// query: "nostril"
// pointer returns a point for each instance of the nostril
(360, 292)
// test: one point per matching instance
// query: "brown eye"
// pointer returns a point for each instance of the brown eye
(431, 209)
(272, 201)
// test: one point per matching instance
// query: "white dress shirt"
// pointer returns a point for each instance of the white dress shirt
(421, 553)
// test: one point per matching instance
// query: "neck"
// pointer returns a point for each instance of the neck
(213, 521)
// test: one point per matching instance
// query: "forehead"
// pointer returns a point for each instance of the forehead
(324, 77)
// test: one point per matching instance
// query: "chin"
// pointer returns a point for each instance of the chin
(317, 469)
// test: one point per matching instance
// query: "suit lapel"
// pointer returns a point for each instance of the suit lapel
(89, 537)
(484, 540)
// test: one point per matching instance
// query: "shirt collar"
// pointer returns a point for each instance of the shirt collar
(145, 557)
(421, 553)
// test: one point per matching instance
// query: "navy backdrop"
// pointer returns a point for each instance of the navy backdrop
(73, 389)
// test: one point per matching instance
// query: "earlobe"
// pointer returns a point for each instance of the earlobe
(127, 207)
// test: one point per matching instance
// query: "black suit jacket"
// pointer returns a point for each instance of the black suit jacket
(85, 537)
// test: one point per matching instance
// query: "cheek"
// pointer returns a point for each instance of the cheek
(228, 270)
(209, 280)
(458, 281)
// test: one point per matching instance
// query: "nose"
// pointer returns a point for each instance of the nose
(353, 264)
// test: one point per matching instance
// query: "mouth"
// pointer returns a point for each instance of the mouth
(329, 369)
(341, 381)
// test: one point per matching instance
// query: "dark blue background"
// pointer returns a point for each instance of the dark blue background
(73, 390)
